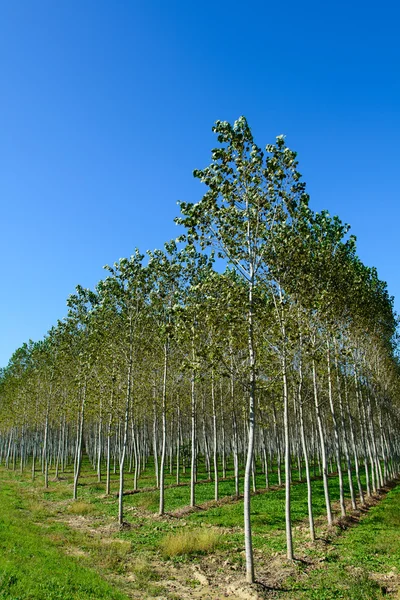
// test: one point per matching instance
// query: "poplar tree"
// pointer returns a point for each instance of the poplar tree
(250, 193)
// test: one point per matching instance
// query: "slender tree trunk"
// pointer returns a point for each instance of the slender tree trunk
(363, 432)
(223, 435)
(205, 438)
(265, 459)
(164, 429)
(377, 462)
(305, 452)
(322, 444)
(215, 447)
(251, 430)
(194, 440)
(9, 447)
(178, 444)
(22, 457)
(108, 466)
(354, 445)
(34, 450)
(99, 443)
(155, 445)
(171, 446)
(387, 474)
(136, 442)
(335, 431)
(78, 455)
(45, 450)
(278, 447)
(344, 435)
(235, 450)
(125, 431)
(59, 449)
(288, 519)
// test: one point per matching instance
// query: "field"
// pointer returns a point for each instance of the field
(54, 548)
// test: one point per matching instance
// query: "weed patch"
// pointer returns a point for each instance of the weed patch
(81, 508)
(192, 541)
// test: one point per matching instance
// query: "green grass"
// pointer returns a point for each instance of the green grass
(357, 559)
(31, 564)
(380, 533)
(136, 557)
(337, 582)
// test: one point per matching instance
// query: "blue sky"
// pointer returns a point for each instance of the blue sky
(107, 107)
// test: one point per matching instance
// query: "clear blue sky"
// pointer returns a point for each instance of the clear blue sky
(106, 107)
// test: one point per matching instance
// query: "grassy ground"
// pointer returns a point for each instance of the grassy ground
(54, 548)
(31, 564)
(362, 562)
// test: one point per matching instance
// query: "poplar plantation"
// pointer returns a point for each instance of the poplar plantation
(258, 338)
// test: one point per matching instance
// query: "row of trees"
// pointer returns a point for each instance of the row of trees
(288, 357)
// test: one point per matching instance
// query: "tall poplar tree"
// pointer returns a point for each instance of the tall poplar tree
(250, 193)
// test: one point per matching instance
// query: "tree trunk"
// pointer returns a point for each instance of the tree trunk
(305, 452)
(164, 429)
(194, 440)
(78, 455)
(250, 448)
(322, 444)
(125, 432)
(215, 448)
(336, 432)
